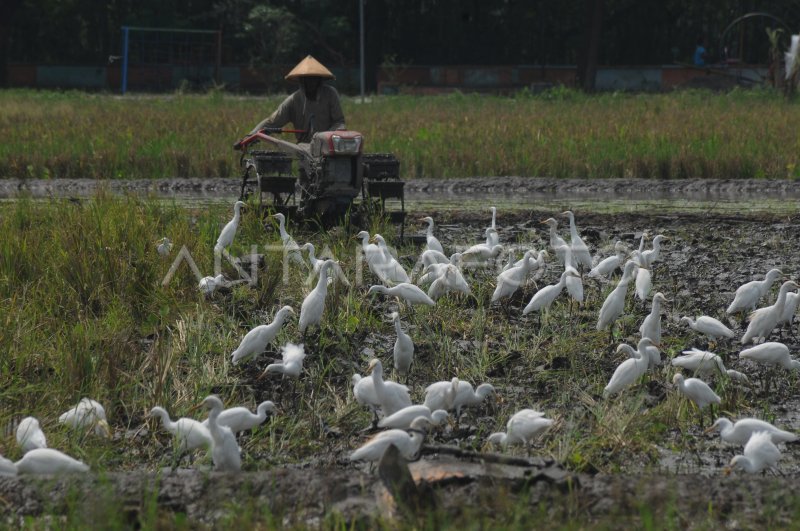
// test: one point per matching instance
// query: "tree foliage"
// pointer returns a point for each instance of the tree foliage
(422, 32)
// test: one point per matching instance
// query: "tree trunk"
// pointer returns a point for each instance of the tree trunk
(7, 10)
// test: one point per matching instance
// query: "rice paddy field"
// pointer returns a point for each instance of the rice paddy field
(91, 309)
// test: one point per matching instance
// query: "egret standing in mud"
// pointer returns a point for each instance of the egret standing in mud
(747, 295)
(740, 431)
(614, 305)
(403, 349)
(229, 230)
(698, 392)
(290, 246)
(190, 434)
(225, 451)
(408, 442)
(432, 242)
(760, 453)
(314, 304)
(522, 428)
(240, 419)
(257, 339)
(708, 326)
(764, 320)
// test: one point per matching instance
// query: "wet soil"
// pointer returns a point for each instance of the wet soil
(530, 188)
(706, 258)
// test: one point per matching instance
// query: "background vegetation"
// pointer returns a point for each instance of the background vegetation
(433, 32)
(560, 133)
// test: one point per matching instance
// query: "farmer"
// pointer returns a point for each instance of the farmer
(313, 107)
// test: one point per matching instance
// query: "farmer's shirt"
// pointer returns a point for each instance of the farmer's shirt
(321, 114)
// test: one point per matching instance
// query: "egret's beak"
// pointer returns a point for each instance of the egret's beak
(105, 428)
(708, 430)
(196, 407)
(543, 223)
(727, 471)
(262, 376)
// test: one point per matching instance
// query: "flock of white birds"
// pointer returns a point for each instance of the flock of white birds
(406, 424)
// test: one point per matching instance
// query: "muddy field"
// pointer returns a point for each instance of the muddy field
(705, 259)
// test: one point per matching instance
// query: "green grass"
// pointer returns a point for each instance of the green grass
(741, 134)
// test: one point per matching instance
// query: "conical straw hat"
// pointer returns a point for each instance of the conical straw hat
(309, 67)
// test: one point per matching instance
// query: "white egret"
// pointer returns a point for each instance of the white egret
(290, 246)
(164, 246)
(614, 304)
(364, 393)
(740, 431)
(543, 299)
(510, 280)
(649, 256)
(789, 309)
(481, 254)
(313, 305)
(759, 453)
(225, 450)
(257, 339)
(556, 241)
(644, 280)
(403, 348)
(492, 237)
(189, 433)
(46, 461)
(764, 320)
(747, 295)
(208, 285)
(240, 419)
(699, 362)
(406, 292)
(651, 326)
(373, 256)
(292, 362)
(737, 376)
(790, 57)
(697, 391)
(392, 270)
(709, 326)
(522, 428)
(87, 414)
(402, 419)
(441, 395)
(392, 396)
(648, 350)
(580, 251)
(407, 442)
(536, 264)
(432, 242)
(430, 257)
(606, 267)
(316, 265)
(629, 371)
(771, 353)
(573, 282)
(229, 230)
(7, 467)
(466, 396)
(433, 271)
(451, 280)
(30, 435)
